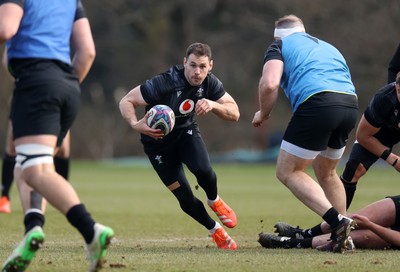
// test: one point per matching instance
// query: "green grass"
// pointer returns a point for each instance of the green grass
(153, 234)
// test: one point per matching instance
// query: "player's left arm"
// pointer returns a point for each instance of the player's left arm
(83, 44)
(225, 107)
(10, 19)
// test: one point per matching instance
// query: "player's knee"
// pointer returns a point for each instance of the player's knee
(282, 175)
(353, 171)
(186, 201)
(33, 154)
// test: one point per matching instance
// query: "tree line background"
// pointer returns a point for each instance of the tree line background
(138, 39)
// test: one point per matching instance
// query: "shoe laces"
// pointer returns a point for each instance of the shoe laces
(222, 238)
(220, 207)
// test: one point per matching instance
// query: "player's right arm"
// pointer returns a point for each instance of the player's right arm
(10, 19)
(268, 90)
(128, 105)
(365, 136)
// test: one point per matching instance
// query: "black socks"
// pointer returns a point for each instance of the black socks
(79, 217)
(7, 174)
(33, 219)
(331, 217)
(311, 232)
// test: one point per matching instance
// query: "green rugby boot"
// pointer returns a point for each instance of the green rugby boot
(23, 254)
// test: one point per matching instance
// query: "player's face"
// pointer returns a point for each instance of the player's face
(196, 69)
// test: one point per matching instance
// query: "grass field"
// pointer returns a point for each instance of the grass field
(153, 234)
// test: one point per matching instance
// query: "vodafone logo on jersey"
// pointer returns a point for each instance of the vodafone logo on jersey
(186, 106)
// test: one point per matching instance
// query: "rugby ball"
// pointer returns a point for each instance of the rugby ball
(161, 117)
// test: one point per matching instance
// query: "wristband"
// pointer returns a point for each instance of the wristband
(394, 163)
(385, 154)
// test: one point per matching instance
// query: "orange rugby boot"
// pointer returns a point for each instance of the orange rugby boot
(224, 213)
(5, 205)
(223, 240)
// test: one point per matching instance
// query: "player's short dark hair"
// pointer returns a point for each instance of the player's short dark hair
(288, 21)
(199, 49)
(398, 78)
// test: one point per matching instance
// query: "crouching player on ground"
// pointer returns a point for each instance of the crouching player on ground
(378, 227)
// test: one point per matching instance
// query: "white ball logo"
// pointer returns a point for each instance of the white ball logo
(186, 106)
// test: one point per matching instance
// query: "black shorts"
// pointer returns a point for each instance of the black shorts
(324, 120)
(396, 226)
(388, 137)
(46, 99)
(396, 200)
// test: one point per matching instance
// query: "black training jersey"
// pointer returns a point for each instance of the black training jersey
(384, 108)
(171, 88)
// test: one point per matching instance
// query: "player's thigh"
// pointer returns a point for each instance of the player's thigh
(382, 212)
(193, 152)
(167, 166)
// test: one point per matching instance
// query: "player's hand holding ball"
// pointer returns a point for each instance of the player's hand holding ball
(161, 118)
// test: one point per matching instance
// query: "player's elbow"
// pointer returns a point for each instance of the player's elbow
(236, 116)
(6, 34)
(90, 54)
(268, 85)
(122, 105)
(232, 115)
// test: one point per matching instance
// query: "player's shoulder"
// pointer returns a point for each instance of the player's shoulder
(385, 94)
(173, 73)
(274, 51)
(18, 2)
(213, 81)
(167, 81)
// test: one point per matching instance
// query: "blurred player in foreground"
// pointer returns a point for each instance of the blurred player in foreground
(61, 159)
(189, 90)
(46, 98)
